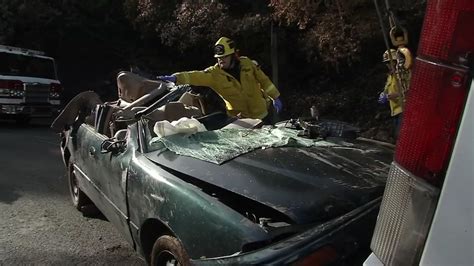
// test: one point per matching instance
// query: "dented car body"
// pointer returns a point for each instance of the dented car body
(274, 205)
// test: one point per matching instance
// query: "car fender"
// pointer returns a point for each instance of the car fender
(205, 226)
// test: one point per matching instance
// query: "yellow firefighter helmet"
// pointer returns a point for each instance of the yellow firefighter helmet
(224, 47)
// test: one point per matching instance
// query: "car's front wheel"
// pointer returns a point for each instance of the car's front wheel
(79, 198)
(167, 250)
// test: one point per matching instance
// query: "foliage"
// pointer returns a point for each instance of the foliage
(326, 48)
(56, 26)
(335, 32)
(186, 25)
(331, 31)
(21, 18)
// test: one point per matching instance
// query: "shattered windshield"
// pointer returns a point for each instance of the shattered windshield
(220, 145)
(28, 66)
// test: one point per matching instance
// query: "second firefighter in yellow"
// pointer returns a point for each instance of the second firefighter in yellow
(398, 79)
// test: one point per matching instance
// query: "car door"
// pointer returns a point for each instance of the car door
(110, 169)
(84, 141)
(106, 171)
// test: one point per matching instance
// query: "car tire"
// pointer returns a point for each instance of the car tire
(79, 198)
(167, 250)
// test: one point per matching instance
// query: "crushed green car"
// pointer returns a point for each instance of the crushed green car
(234, 193)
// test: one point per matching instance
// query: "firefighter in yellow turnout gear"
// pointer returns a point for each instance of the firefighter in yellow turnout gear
(240, 82)
(399, 63)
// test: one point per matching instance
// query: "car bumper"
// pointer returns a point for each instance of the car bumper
(40, 110)
(349, 235)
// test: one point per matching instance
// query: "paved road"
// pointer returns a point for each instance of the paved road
(38, 224)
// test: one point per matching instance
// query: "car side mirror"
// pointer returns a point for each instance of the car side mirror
(113, 146)
(121, 134)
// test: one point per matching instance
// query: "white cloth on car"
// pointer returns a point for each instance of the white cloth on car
(184, 125)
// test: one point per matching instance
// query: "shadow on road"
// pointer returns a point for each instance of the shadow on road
(92, 212)
(34, 123)
(29, 159)
(109, 254)
(8, 194)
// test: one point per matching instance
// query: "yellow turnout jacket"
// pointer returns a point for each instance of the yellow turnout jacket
(391, 86)
(247, 97)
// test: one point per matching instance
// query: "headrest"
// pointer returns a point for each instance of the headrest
(131, 86)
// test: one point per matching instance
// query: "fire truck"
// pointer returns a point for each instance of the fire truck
(29, 85)
(426, 216)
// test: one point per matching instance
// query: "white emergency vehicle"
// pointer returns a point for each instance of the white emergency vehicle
(29, 85)
(426, 216)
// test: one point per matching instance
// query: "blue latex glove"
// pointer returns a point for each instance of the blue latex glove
(278, 105)
(383, 98)
(170, 78)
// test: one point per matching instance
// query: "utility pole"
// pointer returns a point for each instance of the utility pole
(274, 52)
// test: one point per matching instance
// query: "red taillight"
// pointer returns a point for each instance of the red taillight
(447, 29)
(323, 256)
(438, 90)
(56, 87)
(11, 84)
(430, 120)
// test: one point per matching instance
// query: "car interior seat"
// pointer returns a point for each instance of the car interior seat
(191, 99)
(173, 111)
(134, 91)
(216, 120)
(211, 100)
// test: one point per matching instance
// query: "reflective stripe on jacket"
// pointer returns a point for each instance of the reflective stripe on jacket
(246, 97)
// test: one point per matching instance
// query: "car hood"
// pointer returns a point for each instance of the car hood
(305, 184)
